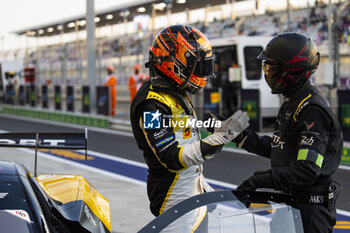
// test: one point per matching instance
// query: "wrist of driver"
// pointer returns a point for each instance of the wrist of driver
(218, 138)
(208, 150)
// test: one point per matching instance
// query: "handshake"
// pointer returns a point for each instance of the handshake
(229, 130)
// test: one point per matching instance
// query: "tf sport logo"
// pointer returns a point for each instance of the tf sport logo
(152, 120)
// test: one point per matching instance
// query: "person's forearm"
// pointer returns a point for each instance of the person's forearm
(260, 145)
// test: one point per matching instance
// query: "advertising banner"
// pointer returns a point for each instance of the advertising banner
(32, 95)
(103, 100)
(70, 98)
(86, 99)
(10, 94)
(58, 98)
(250, 104)
(44, 97)
(344, 112)
(212, 99)
(21, 95)
(27, 93)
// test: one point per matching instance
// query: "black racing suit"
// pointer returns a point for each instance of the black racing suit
(305, 150)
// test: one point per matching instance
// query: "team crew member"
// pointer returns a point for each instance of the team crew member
(111, 81)
(180, 61)
(135, 81)
(305, 149)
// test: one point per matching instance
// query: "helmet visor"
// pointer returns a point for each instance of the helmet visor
(271, 70)
(204, 67)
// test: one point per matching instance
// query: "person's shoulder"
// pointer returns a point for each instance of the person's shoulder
(147, 93)
(150, 105)
(157, 96)
(318, 97)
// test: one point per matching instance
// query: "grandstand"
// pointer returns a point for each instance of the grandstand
(124, 35)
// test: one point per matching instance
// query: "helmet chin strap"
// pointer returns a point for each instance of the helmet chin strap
(182, 87)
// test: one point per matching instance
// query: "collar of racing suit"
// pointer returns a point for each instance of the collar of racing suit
(297, 90)
(161, 84)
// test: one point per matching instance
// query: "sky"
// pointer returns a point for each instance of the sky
(22, 14)
(19, 14)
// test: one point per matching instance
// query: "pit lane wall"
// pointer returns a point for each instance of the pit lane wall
(88, 120)
(104, 122)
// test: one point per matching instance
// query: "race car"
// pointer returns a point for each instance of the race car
(31, 203)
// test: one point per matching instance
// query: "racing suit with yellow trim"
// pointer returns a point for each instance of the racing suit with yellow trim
(173, 152)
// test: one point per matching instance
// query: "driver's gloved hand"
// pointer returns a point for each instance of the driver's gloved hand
(217, 117)
(229, 129)
(239, 140)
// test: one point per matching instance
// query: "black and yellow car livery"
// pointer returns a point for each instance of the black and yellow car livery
(31, 203)
(87, 205)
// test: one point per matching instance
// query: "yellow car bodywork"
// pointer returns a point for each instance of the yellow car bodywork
(70, 188)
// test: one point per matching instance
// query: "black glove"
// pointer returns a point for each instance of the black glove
(242, 136)
(260, 179)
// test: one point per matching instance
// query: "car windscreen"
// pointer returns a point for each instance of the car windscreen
(13, 201)
(11, 222)
(231, 211)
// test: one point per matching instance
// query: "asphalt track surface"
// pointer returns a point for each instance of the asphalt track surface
(227, 166)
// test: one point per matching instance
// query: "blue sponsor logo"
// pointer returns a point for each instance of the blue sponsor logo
(102, 100)
(182, 114)
(151, 120)
(168, 139)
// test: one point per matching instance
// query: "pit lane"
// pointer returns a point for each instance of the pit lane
(125, 162)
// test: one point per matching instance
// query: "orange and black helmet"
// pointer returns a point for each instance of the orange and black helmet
(184, 55)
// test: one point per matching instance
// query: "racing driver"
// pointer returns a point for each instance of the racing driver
(306, 146)
(180, 61)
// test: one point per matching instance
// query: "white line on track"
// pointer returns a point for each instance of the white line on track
(343, 212)
(127, 134)
(236, 150)
(87, 167)
(118, 159)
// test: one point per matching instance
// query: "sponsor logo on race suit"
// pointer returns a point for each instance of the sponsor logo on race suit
(164, 141)
(308, 141)
(151, 120)
(296, 114)
(309, 126)
(186, 133)
(276, 142)
(316, 199)
(160, 133)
